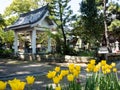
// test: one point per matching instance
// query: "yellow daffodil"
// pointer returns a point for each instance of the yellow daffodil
(77, 68)
(60, 76)
(30, 80)
(64, 72)
(75, 73)
(17, 84)
(57, 69)
(108, 70)
(106, 66)
(90, 67)
(104, 72)
(51, 74)
(71, 66)
(70, 77)
(103, 62)
(98, 66)
(87, 69)
(93, 62)
(3, 85)
(56, 80)
(96, 69)
(114, 69)
(14, 80)
(113, 64)
(110, 66)
(58, 88)
(103, 68)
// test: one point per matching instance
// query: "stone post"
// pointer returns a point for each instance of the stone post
(33, 42)
(15, 42)
(49, 43)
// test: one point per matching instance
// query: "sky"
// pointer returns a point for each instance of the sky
(74, 4)
(5, 3)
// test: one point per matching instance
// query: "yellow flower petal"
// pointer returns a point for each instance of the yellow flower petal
(113, 64)
(3, 85)
(30, 80)
(103, 62)
(51, 74)
(16, 84)
(58, 88)
(114, 69)
(57, 69)
(92, 61)
(56, 80)
(70, 77)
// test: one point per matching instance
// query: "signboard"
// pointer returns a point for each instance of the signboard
(103, 50)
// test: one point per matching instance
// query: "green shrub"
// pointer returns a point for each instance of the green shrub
(6, 53)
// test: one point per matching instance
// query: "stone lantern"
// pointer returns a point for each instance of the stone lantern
(117, 46)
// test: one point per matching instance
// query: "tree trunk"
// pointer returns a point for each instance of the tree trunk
(63, 32)
(105, 24)
(65, 43)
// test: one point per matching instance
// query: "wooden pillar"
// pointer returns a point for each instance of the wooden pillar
(33, 42)
(15, 42)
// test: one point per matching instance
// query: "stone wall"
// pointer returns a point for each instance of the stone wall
(77, 59)
(54, 58)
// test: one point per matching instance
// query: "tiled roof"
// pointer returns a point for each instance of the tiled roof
(30, 17)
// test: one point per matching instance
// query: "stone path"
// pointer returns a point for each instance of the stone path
(10, 69)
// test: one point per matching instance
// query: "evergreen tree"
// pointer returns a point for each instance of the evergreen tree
(91, 21)
(102, 15)
(62, 15)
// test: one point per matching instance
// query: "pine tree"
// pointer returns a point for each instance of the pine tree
(62, 15)
(91, 21)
